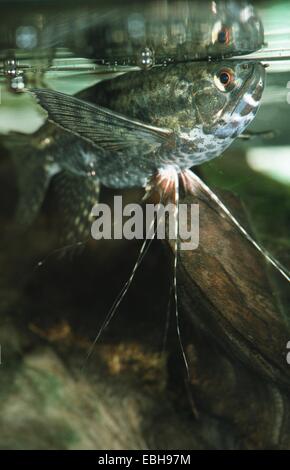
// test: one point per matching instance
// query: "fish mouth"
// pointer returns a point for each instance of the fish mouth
(249, 96)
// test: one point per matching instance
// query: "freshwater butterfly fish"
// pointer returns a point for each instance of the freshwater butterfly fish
(147, 130)
(156, 128)
(138, 126)
(180, 115)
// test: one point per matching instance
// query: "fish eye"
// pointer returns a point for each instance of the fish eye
(223, 36)
(225, 79)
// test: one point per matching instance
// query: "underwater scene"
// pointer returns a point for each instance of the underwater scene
(145, 220)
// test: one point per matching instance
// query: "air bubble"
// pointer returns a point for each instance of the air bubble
(14, 75)
(17, 83)
(146, 58)
(10, 68)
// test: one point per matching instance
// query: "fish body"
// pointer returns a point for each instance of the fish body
(122, 132)
(181, 115)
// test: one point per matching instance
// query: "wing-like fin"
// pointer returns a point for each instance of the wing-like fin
(101, 127)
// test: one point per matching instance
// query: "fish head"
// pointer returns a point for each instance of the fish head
(226, 97)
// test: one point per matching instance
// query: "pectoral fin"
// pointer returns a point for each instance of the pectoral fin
(99, 126)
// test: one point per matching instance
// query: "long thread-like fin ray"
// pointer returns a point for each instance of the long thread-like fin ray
(195, 185)
(143, 250)
(176, 235)
(62, 250)
(167, 321)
